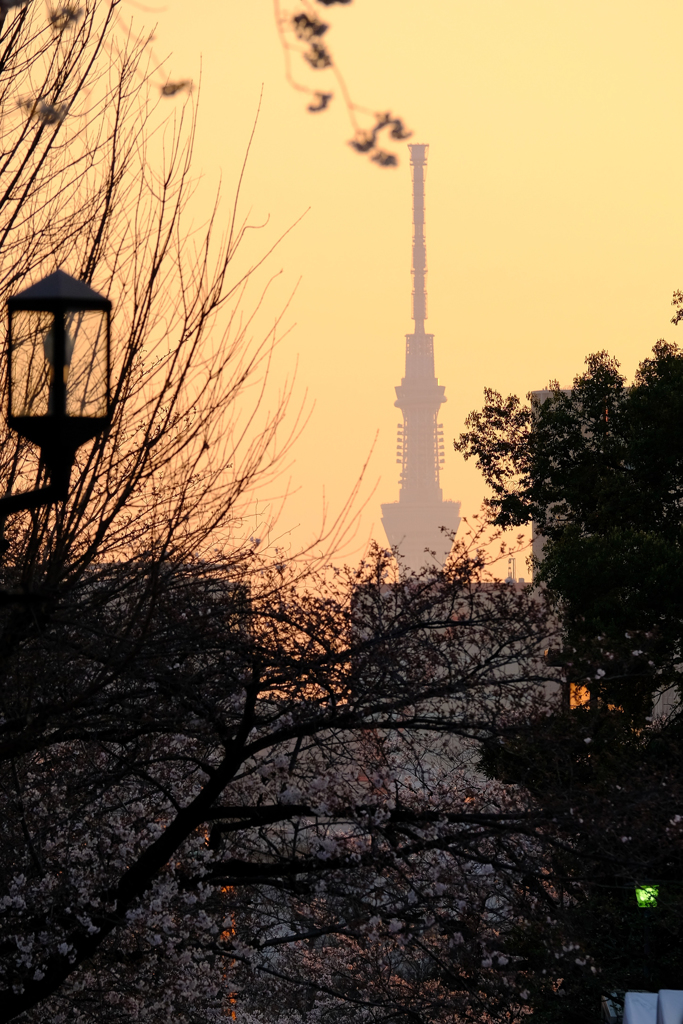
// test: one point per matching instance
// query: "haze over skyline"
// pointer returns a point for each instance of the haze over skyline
(553, 214)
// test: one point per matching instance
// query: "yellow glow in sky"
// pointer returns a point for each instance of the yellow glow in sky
(553, 204)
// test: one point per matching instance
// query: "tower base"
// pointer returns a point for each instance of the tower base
(416, 531)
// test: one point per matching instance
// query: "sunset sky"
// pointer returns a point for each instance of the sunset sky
(554, 222)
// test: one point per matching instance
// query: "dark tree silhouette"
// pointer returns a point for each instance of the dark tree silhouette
(597, 469)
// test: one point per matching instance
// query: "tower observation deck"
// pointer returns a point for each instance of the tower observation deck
(413, 523)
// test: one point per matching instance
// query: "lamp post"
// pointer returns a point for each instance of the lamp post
(59, 378)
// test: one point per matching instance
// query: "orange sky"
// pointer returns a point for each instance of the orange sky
(553, 213)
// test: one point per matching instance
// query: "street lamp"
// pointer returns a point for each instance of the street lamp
(59, 373)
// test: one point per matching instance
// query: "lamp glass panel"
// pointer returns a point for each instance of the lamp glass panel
(29, 367)
(86, 380)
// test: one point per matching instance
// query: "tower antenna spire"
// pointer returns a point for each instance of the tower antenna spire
(418, 162)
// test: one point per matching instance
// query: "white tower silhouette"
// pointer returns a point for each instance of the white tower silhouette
(413, 523)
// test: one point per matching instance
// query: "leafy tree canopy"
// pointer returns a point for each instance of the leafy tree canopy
(598, 470)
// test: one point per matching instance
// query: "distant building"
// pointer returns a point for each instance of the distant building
(413, 523)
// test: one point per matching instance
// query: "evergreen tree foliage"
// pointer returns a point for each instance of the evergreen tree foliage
(598, 470)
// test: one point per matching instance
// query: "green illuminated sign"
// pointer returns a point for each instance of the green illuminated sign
(647, 895)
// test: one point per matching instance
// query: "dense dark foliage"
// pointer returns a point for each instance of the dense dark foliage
(614, 797)
(599, 471)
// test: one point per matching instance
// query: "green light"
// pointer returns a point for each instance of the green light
(647, 895)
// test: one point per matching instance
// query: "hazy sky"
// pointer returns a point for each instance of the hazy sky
(553, 203)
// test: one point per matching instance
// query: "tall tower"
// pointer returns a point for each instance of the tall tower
(413, 522)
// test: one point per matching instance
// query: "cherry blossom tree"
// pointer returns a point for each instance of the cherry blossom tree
(104, 190)
(312, 69)
(231, 782)
(219, 785)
